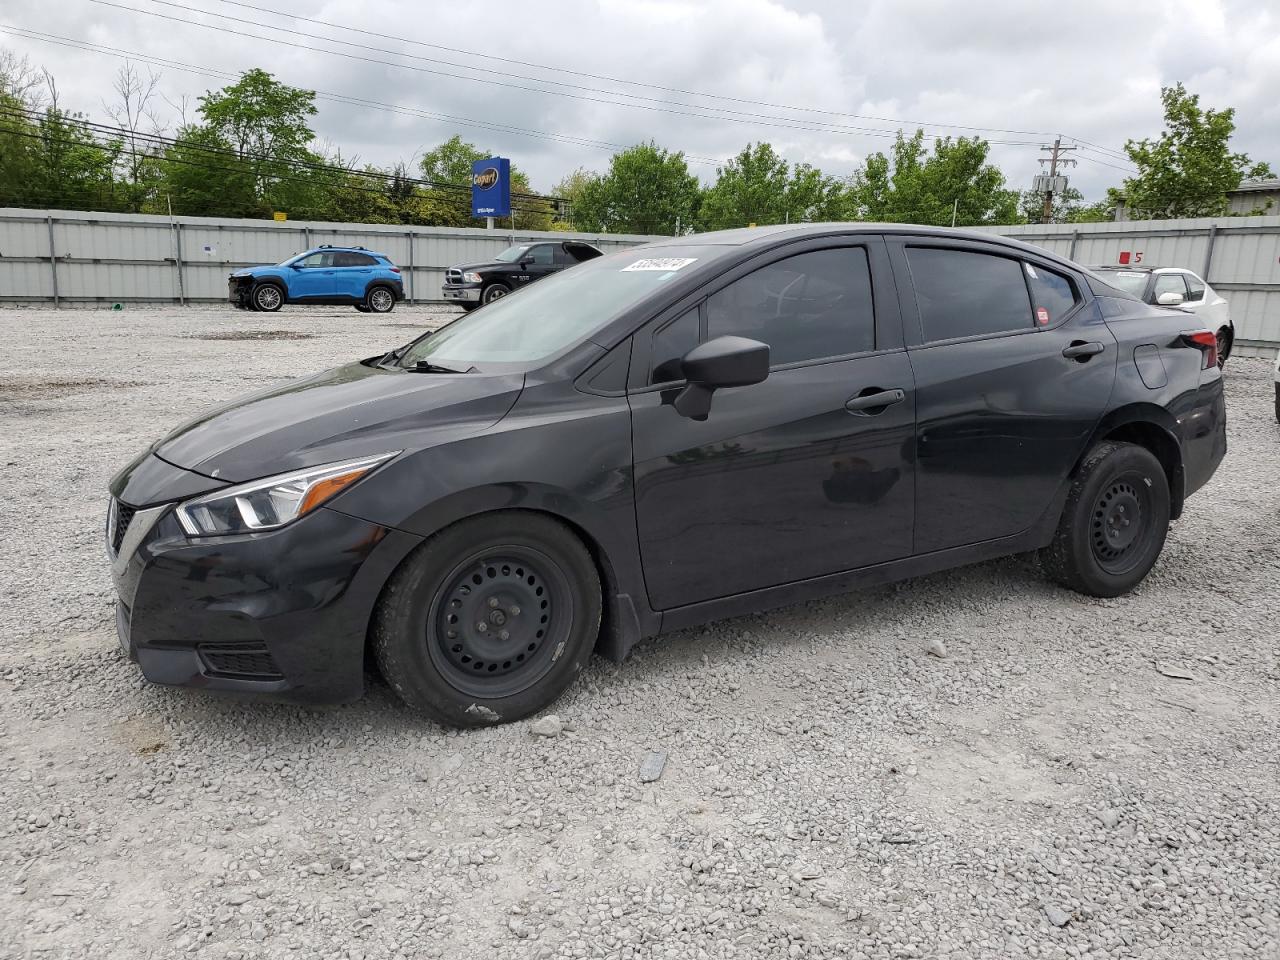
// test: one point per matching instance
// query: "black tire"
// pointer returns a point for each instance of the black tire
(267, 297)
(494, 291)
(1224, 346)
(1114, 523)
(531, 583)
(380, 299)
(363, 308)
(468, 307)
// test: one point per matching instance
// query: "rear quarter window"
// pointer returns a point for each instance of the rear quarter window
(1052, 294)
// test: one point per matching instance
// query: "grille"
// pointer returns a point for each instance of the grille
(121, 517)
(239, 660)
(453, 276)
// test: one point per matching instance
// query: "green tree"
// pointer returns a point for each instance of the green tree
(203, 177)
(569, 190)
(647, 190)
(1188, 170)
(759, 186)
(259, 128)
(912, 185)
(450, 163)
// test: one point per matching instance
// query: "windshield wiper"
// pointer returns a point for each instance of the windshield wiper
(426, 366)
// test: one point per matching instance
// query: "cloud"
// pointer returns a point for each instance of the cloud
(1087, 70)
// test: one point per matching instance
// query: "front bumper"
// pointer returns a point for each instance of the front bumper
(238, 291)
(282, 614)
(461, 292)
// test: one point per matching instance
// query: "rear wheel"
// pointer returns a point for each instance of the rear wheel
(1114, 523)
(267, 297)
(380, 300)
(489, 620)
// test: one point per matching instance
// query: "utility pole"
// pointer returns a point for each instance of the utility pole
(1053, 183)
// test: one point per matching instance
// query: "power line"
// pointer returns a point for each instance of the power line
(765, 120)
(347, 28)
(277, 177)
(204, 71)
(156, 139)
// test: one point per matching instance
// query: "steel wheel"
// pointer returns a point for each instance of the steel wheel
(495, 624)
(381, 300)
(268, 297)
(1120, 526)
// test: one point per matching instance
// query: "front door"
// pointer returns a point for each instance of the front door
(805, 474)
(314, 276)
(1013, 372)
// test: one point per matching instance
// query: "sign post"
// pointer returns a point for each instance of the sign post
(491, 189)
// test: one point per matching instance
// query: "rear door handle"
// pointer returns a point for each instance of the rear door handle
(869, 404)
(1083, 349)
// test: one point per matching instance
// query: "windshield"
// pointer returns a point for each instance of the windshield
(1130, 281)
(512, 254)
(559, 312)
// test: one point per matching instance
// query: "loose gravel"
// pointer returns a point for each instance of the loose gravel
(974, 764)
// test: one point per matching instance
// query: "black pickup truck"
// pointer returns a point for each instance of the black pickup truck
(472, 284)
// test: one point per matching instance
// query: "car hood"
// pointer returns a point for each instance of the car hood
(347, 412)
(486, 265)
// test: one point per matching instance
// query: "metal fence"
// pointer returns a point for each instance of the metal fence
(69, 258)
(1238, 256)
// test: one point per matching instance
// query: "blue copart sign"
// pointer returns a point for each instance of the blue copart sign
(491, 188)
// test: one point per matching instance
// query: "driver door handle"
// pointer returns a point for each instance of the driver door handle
(870, 404)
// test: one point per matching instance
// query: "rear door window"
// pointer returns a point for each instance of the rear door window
(1195, 288)
(1052, 294)
(347, 258)
(962, 293)
(807, 307)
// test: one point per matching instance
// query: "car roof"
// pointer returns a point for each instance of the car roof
(1137, 269)
(346, 249)
(767, 235)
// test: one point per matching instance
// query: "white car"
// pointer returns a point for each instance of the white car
(1278, 386)
(1177, 287)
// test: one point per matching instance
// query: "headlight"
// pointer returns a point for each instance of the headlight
(471, 278)
(272, 502)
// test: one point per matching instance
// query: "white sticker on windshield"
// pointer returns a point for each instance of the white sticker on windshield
(660, 263)
(1129, 273)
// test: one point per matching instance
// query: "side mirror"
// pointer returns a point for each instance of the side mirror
(525, 261)
(722, 362)
(1169, 299)
(295, 266)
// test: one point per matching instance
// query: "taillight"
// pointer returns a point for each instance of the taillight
(395, 269)
(1206, 343)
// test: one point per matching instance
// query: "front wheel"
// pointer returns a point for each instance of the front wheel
(267, 297)
(380, 300)
(1114, 523)
(490, 620)
(495, 291)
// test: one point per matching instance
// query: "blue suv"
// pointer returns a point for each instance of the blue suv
(327, 274)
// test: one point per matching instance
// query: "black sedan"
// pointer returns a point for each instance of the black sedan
(700, 428)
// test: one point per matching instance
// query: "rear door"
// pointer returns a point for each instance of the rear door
(352, 272)
(1014, 367)
(796, 477)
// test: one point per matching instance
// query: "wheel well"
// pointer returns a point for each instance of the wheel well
(615, 629)
(1164, 447)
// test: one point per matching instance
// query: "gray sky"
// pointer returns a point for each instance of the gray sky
(807, 75)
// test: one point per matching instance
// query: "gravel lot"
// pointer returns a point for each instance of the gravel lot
(831, 789)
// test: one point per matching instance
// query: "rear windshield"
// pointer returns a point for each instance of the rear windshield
(1132, 282)
(544, 320)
